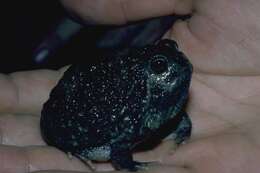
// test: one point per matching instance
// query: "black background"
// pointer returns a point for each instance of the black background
(25, 24)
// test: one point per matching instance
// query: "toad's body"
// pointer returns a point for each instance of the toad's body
(102, 111)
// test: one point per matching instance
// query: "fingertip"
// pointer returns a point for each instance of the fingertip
(180, 30)
(189, 43)
(181, 33)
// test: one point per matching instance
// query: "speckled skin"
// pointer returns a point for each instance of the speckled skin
(102, 111)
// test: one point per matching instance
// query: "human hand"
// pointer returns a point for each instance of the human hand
(223, 102)
(225, 128)
(221, 39)
(22, 149)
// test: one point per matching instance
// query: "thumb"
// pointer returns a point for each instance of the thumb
(185, 33)
(123, 11)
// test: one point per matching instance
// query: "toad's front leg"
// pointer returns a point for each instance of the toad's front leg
(183, 130)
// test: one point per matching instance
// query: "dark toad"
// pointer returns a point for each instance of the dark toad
(102, 111)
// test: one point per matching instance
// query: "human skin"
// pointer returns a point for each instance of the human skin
(221, 41)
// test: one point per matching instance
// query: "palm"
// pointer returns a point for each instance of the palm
(224, 101)
(222, 37)
(225, 115)
(222, 47)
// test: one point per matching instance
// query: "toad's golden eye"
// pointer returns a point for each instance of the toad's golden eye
(159, 65)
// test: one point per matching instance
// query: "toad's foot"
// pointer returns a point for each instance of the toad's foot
(133, 166)
(124, 160)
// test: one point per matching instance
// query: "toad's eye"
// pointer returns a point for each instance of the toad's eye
(159, 64)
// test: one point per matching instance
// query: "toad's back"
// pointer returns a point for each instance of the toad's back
(93, 104)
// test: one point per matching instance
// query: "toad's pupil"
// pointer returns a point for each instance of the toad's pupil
(159, 65)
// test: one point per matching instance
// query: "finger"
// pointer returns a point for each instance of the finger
(190, 40)
(194, 152)
(30, 159)
(164, 169)
(55, 171)
(13, 160)
(39, 159)
(25, 92)
(150, 169)
(186, 39)
(123, 11)
(26, 131)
